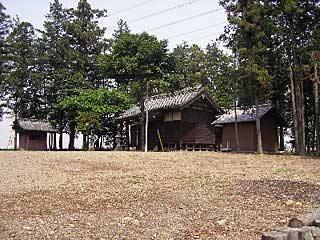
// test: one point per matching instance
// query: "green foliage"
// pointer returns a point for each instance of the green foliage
(135, 59)
(85, 40)
(247, 36)
(72, 40)
(24, 85)
(95, 111)
(222, 75)
(122, 29)
(210, 67)
(5, 25)
(190, 62)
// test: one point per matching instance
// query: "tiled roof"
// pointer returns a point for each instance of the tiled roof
(248, 115)
(35, 125)
(174, 100)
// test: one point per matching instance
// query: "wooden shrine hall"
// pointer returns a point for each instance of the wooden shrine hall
(33, 134)
(177, 121)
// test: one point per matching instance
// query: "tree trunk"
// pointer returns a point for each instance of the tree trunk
(91, 142)
(72, 135)
(293, 98)
(316, 108)
(314, 135)
(15, 140)
(258, 126)
(60, 139)
(297, 90)
(84, 142)
(300, 115)
(236, 126)
(302, 107)
(101, 142)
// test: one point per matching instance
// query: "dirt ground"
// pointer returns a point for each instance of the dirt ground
(176, 195)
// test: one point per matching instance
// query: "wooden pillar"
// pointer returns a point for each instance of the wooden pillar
(51, 144)
(27, 140)
(137, 138)
(55, 141)
(281, 135)
(49, 141)
(127, 136)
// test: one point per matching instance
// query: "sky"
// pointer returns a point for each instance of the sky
(199, 21)
(193, 21)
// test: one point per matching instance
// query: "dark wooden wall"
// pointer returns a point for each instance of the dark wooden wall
(270, 136)
(248, 135)
(32, 140)
(193, 128)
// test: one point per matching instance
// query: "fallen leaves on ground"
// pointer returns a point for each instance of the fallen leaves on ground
(131, 195)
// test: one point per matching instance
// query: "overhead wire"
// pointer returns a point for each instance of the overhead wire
(130, 8)
(170, 9)
(196, 39)
(196, 30)
(179, 21)
(204, 37)
(183, 20)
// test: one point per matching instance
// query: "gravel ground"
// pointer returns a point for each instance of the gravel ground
(128, 195)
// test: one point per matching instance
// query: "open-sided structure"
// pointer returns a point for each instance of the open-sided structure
(33, 134)
(180, 120)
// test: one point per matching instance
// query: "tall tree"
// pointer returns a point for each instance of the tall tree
(122, 29)
(24, 95)
(249, 28)
(5, 25)
(85, 40)
(190, 65)
(221, 73)
(297, 21)
(134, 61)
(316, 80)
(60, 81)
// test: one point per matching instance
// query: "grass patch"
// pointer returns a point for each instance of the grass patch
(316, 205)
(280, 170)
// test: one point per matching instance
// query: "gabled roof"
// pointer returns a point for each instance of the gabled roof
(247, 115)
(28, 124)
(173, 101)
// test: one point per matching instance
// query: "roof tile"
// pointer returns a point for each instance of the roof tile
(247, 115)
(35, 125)
(165, 101)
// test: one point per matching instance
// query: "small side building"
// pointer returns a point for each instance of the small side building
(178, 121)
(271, 129)
(33, 134)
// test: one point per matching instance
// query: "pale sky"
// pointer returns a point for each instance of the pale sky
(195, 21)
(195, 15)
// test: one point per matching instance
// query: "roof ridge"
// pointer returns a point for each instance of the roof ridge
(181, 91)
(33, 119)
(249, 107)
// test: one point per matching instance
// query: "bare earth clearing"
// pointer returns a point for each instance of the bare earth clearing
(177, 195)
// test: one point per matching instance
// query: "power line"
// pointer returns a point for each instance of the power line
(164, 11)
(184, 20)
(196, 30)
(206, 36)
(130, 8)
(200, 38)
